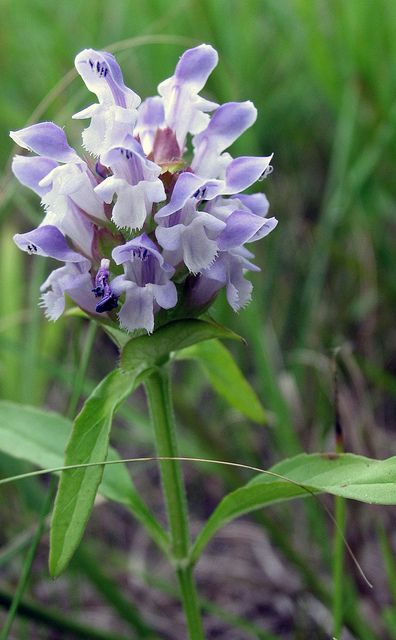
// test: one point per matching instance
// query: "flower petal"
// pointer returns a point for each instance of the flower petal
(256, 202)
(189, 185)
(72, 279)
(46, 139)
(74, 182)
(242, 172)
(243, 226)
(228, 269)
(170, 237)
(109, 126)
(129, 161)
(165, 294)
(47, 241)
(228, 122)
(137, 312)
(183, 106)
(238, 289)
(195, 66)
(125, 252)
(102, 75)
(134, 202)
(199, 250)
(203, 290)
(151, 116)
(30, 170)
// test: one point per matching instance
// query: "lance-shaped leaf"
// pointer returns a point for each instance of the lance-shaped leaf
(88, 443)
(346, 475)
(40, 437)
(155, 349)
(225, 377)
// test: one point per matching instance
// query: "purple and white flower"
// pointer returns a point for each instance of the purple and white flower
(186, 111)
(191, 237)
(146, 283)
(228, 122)
(192, 215)
(194, 236)
(66, 190)
(73, 278)
(114, 116)
(134, 181)
(228, 270)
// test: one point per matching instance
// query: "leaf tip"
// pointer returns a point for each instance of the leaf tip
(54, 567)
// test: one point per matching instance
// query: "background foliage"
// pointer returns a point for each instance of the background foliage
(323, 77)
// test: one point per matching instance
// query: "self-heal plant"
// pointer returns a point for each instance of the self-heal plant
(149, 225)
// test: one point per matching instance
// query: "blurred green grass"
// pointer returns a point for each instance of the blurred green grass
(323, 77)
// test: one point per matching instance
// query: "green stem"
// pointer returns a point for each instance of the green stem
(190, 602)
(160, 403)
(338, 568)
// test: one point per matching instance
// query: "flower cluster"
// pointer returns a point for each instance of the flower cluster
(154, 217)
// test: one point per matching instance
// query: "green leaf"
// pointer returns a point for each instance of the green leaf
(32, 434)
(226, 377)
(347, 475)
(40, 437)
(88, 443)
(155, 349)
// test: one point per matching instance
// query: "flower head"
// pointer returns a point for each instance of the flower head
(157, 214)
